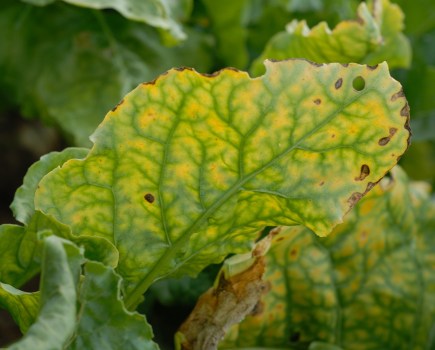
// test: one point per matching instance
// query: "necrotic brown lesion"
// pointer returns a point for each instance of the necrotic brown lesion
(149, 198)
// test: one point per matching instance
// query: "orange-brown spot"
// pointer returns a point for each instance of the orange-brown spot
(364, 172)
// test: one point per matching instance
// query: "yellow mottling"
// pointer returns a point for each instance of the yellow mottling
(317, 273)
(366, 206)
(153, 91)
(330, 299)
(353, 287)
(398, 280)
(76, 219)
(195, 109)
(217, 125)
(148, 117)
(180, 170)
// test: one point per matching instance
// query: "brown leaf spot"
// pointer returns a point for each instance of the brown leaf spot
(258, 309)
(116, 107)
(370, 185)
(354, 198)
(332, 136)
(338, 83)
(293, 252)
(372, 67)
(321, 183)
(149, 198)
(383, 141)
(397, 95)
(365, 171)
(317, 101)
(275, 231)
(404, 112)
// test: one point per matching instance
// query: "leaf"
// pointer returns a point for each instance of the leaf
(99, 321)
(157, 13)
(227, 23)
(104, 323)
(20, 251)
(96, 248)
(420, 15)
(176, 165)
(369, 285)
(237, 290)
(367, 39)
(22, 205)
(16, 255)
(56, 319)
(73, 76)
(22, 306)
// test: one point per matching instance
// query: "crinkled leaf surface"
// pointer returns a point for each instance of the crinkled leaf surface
(374, 37)
(96, 248)
(22, 306)
(188, 167)
(99, 321)
(17, 250)
(20, 249)
(369, 285)
(161, 14)
(23, 206)
(55, 322)
(103, 321)
(73, 76)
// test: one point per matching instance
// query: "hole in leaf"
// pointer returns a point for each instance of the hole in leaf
(359, 83)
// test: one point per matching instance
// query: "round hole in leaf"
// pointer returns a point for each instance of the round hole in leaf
(359, 83)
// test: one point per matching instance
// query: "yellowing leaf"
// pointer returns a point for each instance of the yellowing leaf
(189, 167)
(369, 285)
(375, 36)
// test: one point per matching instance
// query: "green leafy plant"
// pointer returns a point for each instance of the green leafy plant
(190, 168)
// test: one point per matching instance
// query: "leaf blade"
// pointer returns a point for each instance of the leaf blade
(202, 169)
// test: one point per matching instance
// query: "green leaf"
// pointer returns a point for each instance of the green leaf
(73, 76)
(368, 39)
(56, 319)
(100, 320)
(21, 305)
(104, 323)
(227, 23)
(420, 15)
(369, 285)
(157, 13)
(22, 206)
(20, 251)
(17, 250)
(176, 165)
(96, 248)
